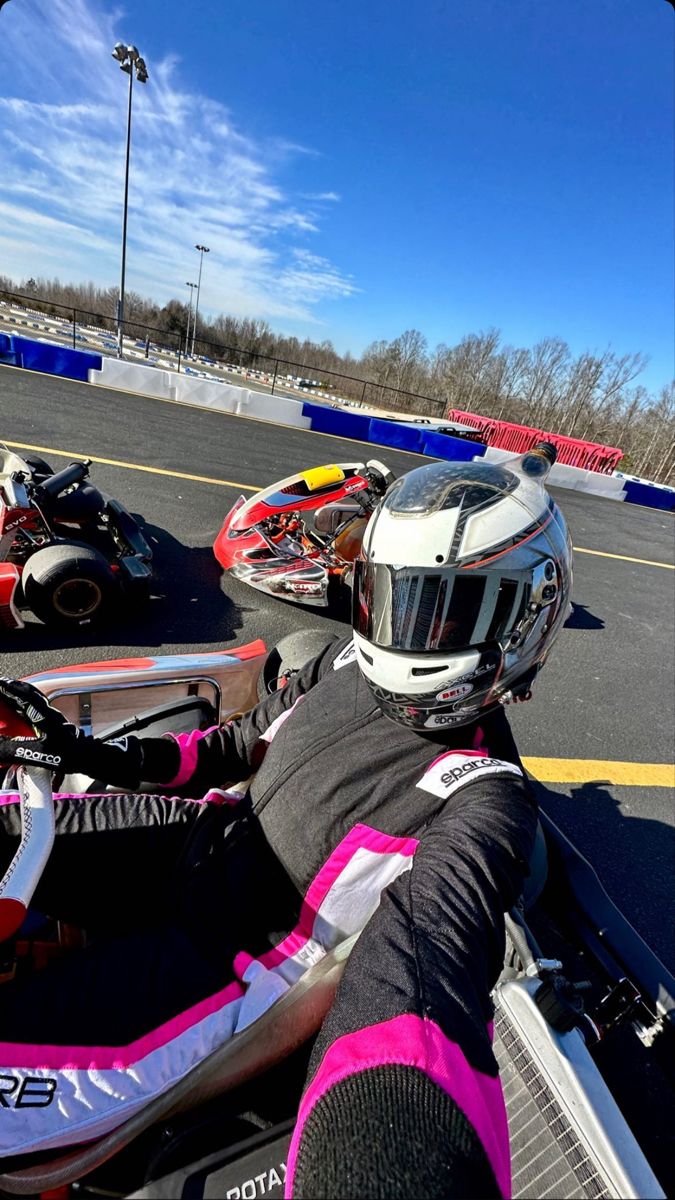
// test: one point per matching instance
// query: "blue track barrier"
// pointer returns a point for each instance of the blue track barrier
(401, 437)
(650, 496)
(7, 352)
(337, 421)
(56, 360)
(442, 445)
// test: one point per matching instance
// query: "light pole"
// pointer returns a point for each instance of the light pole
(192, 287)
(202, 251)
(130, 61)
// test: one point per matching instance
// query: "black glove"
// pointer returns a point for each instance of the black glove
(63, 749)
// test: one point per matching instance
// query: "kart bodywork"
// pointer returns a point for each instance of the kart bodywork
(268, 541)
(224, 1128)
(66, 549)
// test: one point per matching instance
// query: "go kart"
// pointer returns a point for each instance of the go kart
(67, 550)
(298, 538)
(584, 1012)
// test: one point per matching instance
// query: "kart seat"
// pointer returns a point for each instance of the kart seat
(292, 1020)
(83, 504)
(175, 716)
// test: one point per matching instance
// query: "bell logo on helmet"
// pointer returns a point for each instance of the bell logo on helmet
(454, 693)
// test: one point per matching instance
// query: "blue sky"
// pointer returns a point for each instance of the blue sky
(356, 168)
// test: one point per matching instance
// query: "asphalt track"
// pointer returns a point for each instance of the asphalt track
(607, 697)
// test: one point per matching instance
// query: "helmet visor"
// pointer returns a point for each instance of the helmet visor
(419, 609)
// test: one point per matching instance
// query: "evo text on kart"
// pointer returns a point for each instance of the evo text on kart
(67, 550)
(298, 538)
(583, 1010)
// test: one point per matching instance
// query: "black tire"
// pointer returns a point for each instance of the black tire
(40, 468)
(69, 584)
(289, 656)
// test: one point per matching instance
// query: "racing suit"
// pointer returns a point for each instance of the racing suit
(350, 821)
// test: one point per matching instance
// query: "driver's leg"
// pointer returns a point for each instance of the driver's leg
(113, 860)
(114, 991)
(193, 886)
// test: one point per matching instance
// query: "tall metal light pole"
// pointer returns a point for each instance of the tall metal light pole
(130, 61)
(192, 287)
(202, 251)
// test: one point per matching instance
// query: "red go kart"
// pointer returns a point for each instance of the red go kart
(298, 538)
(66, 549)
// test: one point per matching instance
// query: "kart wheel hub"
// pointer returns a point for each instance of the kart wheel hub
(77, 598)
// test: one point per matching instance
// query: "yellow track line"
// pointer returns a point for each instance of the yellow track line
(645, 562)
(115, 462)
(247, 487)
(599, 770)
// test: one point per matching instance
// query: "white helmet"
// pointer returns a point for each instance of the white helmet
(463, 585)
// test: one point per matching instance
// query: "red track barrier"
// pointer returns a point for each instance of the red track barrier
(591, 456)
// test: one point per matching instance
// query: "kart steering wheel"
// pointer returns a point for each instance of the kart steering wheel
(37, 833)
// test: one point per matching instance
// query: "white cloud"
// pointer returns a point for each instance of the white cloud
(194, 177)
(321, 196)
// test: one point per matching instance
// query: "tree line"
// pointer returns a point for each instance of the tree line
(593, 396)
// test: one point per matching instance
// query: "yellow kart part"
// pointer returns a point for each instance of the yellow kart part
(320, 477)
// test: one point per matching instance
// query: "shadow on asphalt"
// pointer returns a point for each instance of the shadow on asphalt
(632, 855)
(187, 605)
(633, 858)
(581, 618)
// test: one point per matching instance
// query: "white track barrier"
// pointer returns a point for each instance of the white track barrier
(132, 377)
(272, 408)
(562, 475)
(222, 396)
(226, 397)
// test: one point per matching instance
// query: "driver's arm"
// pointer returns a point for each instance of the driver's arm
(226, 753)
(231, 752)
(404, 1096)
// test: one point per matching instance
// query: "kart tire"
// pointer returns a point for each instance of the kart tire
(68, 584)
(288, 657)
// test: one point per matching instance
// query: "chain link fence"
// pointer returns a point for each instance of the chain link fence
(168, 348)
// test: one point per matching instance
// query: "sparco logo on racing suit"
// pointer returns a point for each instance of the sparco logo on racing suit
(456, 768)
(38, 756)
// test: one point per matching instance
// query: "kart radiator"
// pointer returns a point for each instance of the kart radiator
(568, 1137)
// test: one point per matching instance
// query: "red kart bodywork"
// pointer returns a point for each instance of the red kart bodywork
(12, 519)
(10, 617)
(266, 542)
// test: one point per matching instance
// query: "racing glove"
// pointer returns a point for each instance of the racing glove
(63, 749)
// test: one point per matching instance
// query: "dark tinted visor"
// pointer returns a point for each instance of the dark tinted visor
(421, 609)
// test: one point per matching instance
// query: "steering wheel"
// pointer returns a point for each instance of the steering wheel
(22, 876)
